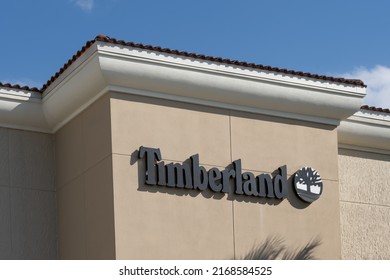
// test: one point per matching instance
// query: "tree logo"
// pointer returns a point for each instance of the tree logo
(308, 184)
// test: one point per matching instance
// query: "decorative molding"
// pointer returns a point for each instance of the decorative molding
(249, 90)
(364, 149)
(106, 67)
(208, 103)
(366, 131)
(22, 109)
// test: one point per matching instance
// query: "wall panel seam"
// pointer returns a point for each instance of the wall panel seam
(365, 203)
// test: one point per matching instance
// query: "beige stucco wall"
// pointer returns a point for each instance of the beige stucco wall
(162, 223)
(84, 185)
(28, 207)
(365, 204)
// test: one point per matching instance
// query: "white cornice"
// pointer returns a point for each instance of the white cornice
(107, 67)
(366, 130)
(364, 149)
(22, 109)
(228, 86)
(182, 62)
(372, 117)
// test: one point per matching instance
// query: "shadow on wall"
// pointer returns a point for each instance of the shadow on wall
(273, 248)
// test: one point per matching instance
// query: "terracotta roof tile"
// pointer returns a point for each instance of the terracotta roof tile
(67, 64)
(103, 38)
(27, 88)
(371, 108)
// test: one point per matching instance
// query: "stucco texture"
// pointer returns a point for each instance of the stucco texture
(84, 185)
(28, 207)
(364, 205)
(154, 222)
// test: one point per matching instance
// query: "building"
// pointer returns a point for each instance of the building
(138, 152)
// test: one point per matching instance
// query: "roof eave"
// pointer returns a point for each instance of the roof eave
(105, 67)
(366, 131)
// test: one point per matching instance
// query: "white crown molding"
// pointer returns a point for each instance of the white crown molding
(107, 67)
(234, 107)
(244, 88)
(365, 130)
(372, 117)
(21, 109)
(364, 149)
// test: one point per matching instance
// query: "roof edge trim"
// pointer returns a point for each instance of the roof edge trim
(362, 130)
(106, 39)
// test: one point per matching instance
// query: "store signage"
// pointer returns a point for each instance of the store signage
(308, 184)
(191, 175)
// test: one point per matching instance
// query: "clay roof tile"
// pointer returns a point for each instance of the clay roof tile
(375, 109)
(106, 39)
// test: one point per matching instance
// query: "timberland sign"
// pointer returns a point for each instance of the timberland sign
(191, 175)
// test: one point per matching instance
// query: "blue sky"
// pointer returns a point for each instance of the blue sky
(334, 37)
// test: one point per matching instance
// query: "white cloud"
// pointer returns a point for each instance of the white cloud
(86, 5)
(377, 80)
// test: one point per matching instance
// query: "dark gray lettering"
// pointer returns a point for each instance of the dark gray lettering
(193, 176)
(226, 175)
(238, 181)
(199, 174)
(249, 185)
(280, 183)
(214, 177)
(161, 174)
(266, 188)
(179, 175)
(150, 170)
